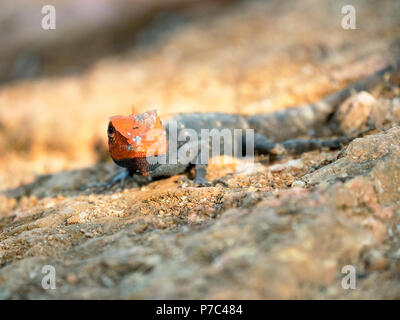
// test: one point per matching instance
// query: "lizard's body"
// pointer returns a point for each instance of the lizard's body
(130, 149)
(178, 126)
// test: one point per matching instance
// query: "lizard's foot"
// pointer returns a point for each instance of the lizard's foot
(123, 175)
(120, 177)
(200, 176)
(101, 187)
(202, 182)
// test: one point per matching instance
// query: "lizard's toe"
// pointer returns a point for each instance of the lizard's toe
(120, 177)
(202, 182)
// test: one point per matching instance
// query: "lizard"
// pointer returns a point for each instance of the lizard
(143, 145)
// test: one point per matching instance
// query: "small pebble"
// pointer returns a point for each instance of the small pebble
(72, 278)
(299, 184)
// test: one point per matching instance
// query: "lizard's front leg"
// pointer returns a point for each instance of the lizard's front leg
(200, 171)
(196, 153)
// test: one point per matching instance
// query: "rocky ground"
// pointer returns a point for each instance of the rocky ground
(273, 229)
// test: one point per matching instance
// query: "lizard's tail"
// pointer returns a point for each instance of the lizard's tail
(298, 121)
(263, 145)
(298, 146)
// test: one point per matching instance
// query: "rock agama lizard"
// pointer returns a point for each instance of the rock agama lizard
(132, 147)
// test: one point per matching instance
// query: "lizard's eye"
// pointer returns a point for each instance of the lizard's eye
(110, 130)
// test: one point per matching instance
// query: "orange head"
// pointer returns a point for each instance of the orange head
(136, 136)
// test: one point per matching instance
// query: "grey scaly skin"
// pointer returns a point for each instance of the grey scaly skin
(274, 133)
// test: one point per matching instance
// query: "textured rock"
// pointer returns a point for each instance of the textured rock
(276, 228)
(353, 114)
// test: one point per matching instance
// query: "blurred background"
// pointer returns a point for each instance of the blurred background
(58, 87)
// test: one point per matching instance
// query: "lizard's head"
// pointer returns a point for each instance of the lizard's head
(136, 136)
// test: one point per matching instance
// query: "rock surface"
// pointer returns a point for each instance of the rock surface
(281, 229)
